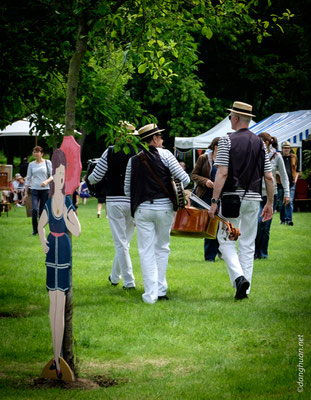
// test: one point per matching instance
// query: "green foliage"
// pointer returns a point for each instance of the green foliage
(3, 158)
(154, 39)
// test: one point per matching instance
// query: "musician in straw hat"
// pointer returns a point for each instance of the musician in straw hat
(242, 161)
(112, 165)
(148, 183)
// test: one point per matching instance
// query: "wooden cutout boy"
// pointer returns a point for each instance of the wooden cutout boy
(59, 212)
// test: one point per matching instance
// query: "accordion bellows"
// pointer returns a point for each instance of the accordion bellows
(192, 222)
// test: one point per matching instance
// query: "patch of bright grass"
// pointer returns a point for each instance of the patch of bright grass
(201, 344)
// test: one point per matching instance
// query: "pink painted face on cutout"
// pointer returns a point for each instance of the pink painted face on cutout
(59, 177)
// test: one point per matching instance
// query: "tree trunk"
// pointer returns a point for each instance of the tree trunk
(72, 87)
(73, 77)
(81, 139)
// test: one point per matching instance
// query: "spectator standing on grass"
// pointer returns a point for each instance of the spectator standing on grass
(39, 175)
(84, 191)
(277, 164)
(112, 165)
(203, 175)
(242, 161)
(290, 162)
(23, 167)
(148, 183)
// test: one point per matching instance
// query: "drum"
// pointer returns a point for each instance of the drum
(192, 222)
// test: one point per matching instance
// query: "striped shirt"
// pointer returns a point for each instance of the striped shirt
(222, 159)
(176, 172)
(97, 175)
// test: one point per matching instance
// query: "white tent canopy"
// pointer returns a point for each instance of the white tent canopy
(22, 128)
(18, 128)
(292, 126)
(203, 141)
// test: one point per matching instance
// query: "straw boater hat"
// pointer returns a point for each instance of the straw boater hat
(148, 130)
(130, 128)
(242, 108)
(286, 144)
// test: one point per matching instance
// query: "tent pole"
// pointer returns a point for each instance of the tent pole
(193, 158)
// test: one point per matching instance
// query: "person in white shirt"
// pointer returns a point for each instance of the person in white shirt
(242, 161)
(112, 166)
(148, 184)
(39, 175)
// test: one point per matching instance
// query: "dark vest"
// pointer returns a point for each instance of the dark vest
(246, 163)
(144, 186)
(115, 175)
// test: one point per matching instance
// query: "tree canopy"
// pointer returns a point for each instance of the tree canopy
(91, 63)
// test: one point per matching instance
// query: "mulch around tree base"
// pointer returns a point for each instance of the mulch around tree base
(80, 383)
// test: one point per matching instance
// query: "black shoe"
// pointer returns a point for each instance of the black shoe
(34, 233)
(163, 297)
(112, 284)
(128, 288)
(242, 285)
(282, 222)
(290, 223)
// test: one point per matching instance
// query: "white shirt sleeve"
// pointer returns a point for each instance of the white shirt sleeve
(173, 165)
(127, 179)
(100, 170)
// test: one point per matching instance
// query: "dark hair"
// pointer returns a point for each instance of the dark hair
(266, 137)
(37, 149)
(213, 143)
(275, 142)
(58, 158)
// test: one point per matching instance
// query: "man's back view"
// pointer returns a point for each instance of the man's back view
(242, 161)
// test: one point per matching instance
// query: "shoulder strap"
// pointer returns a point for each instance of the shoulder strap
(273, 155)
(47, 169)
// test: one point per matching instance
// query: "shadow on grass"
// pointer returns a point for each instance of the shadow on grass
(92, 383)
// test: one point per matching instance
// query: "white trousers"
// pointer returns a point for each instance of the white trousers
(153, 237)
(122, 229)
(241, 262)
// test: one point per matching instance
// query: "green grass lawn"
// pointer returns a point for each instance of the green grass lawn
(201, 344)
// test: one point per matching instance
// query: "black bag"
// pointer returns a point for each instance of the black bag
(99, 189)
(230, 205)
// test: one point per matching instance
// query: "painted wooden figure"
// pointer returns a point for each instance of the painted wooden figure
(59, 212)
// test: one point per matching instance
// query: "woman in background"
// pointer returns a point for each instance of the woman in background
(277, 163)
(39, 175)
(203, 175)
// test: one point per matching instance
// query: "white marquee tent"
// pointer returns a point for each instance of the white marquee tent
(292, 126)
(204, 140)
(22, 128)
(18, 128)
